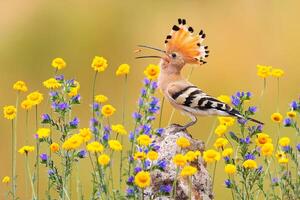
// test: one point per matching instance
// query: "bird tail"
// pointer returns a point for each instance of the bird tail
(237, 114)
(256, 121)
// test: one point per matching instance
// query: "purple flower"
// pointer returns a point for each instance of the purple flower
(228, 183)
(46, 118)
(239, 94)
(81, 154)
(286, 148)
(246, 140)
(137, 170)
(96, 107)
(226, 158)
(130, 180)
(159, 131)
(130, 192)
(294, 105)
(260, 169)
(162, 164)
(248, 94)
(150, 118)
(131, 136)
(298, 147)
(53, 94)
(143, 92)
(166, 189)
(259, 128)
(137, 116)
(287, 122)
(51, 172)
(242, 121)
(155, 147)
(147, 163)
(275, 180)
(141, 102)
(235, 101)
(75, 99)
(154, 85)
(93, 122)
(249, 156)
(252, 109)
(59, 77)
(146, 129)
(106, 136)
(74, 123)
(44, 157)
(146, 81)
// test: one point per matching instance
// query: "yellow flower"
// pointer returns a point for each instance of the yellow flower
(224, 98)
(262, 139)
(54, 147)
(283, 160)
(263, 71)
(108, 110)
(276, 117)
(58, 63)
(188, 171)
(101, 98)
(119, 128)
(152, 71)
(26, 104)
(267, 149)
(284, 141)
(103, 159)
(277, 73)
(51, 83)
(230, 169)
(220, 143)
(227, 152)
(94, 147)
(73, 142)
(227, 121)
(140, 155)
(115, 145)
(144, 140)
(99, 64)
(74, 90)
(291, 114)
(250, 164)
(152, 155)
(220, 130)
(142, 179)
(9, 112)
(183, 142)
(211, 155)
(35, 98)
(123, 70)
(26, 149)
(43, 132)
(192, 155)
(20, 86)
(6, 179)
(86, 134)
(282, 157)
(179, 160)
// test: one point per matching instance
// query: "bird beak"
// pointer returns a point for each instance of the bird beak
(153, 48)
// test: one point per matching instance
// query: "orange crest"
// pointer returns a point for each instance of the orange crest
(182, 40)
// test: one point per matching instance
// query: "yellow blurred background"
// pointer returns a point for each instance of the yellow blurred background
(240, 35)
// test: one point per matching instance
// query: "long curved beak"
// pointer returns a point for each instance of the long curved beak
(149, 47)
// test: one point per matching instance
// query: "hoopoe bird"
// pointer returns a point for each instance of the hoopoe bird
(183, 47)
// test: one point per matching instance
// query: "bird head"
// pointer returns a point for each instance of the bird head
(182, 47)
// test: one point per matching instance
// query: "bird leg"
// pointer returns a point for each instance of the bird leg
(194, 121)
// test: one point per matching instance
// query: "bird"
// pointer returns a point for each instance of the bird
(182, 47)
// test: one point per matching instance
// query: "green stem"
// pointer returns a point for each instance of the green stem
(14, 150)
(190, 188)
(211, 132)
(161, 111)
(37, 166)
(175, 183)
(278, 94)
(93, 92)
(30, 178)
(214, 173)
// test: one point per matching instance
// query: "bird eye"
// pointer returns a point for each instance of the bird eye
(173, 55)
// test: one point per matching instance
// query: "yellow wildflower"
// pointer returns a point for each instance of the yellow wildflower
(20, 86)
(276, 117)
(291, 114)
(183, 142)
(220, 130)
(43, 132)
(227, 152)
(267, 149)
(277, 73)
(123, 69)
(179, 160)
(74, 90)
(26, 104)
(262, 139)
(58, 63)
(6, 179)
(220, 143)
(119, 128)
(188, 171)
(99, 64)
(9, 112)
(230, 169)
(227, 121)
(224, 98)
(108, 110)
(284, 141)
(140, 155)
(35, 98)
(152, 155)
(192, 155)
(282, 157)
(51, 83)
(26, 149)
(73, 142)
(211, 155)
(263, 71)
(54, 147)
(152, 71)
(144, 140)
(142, 179)
(101, 98)
(250, 164)
(86, 134)
(103, 159)
(94, 147)
(115, 145)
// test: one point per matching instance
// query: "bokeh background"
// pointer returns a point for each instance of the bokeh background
(240, 35)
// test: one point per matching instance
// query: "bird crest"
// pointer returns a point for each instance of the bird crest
(183, 40)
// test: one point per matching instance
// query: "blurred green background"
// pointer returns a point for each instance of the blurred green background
(240, 35)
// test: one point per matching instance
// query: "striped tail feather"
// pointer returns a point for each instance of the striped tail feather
(237, 114)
